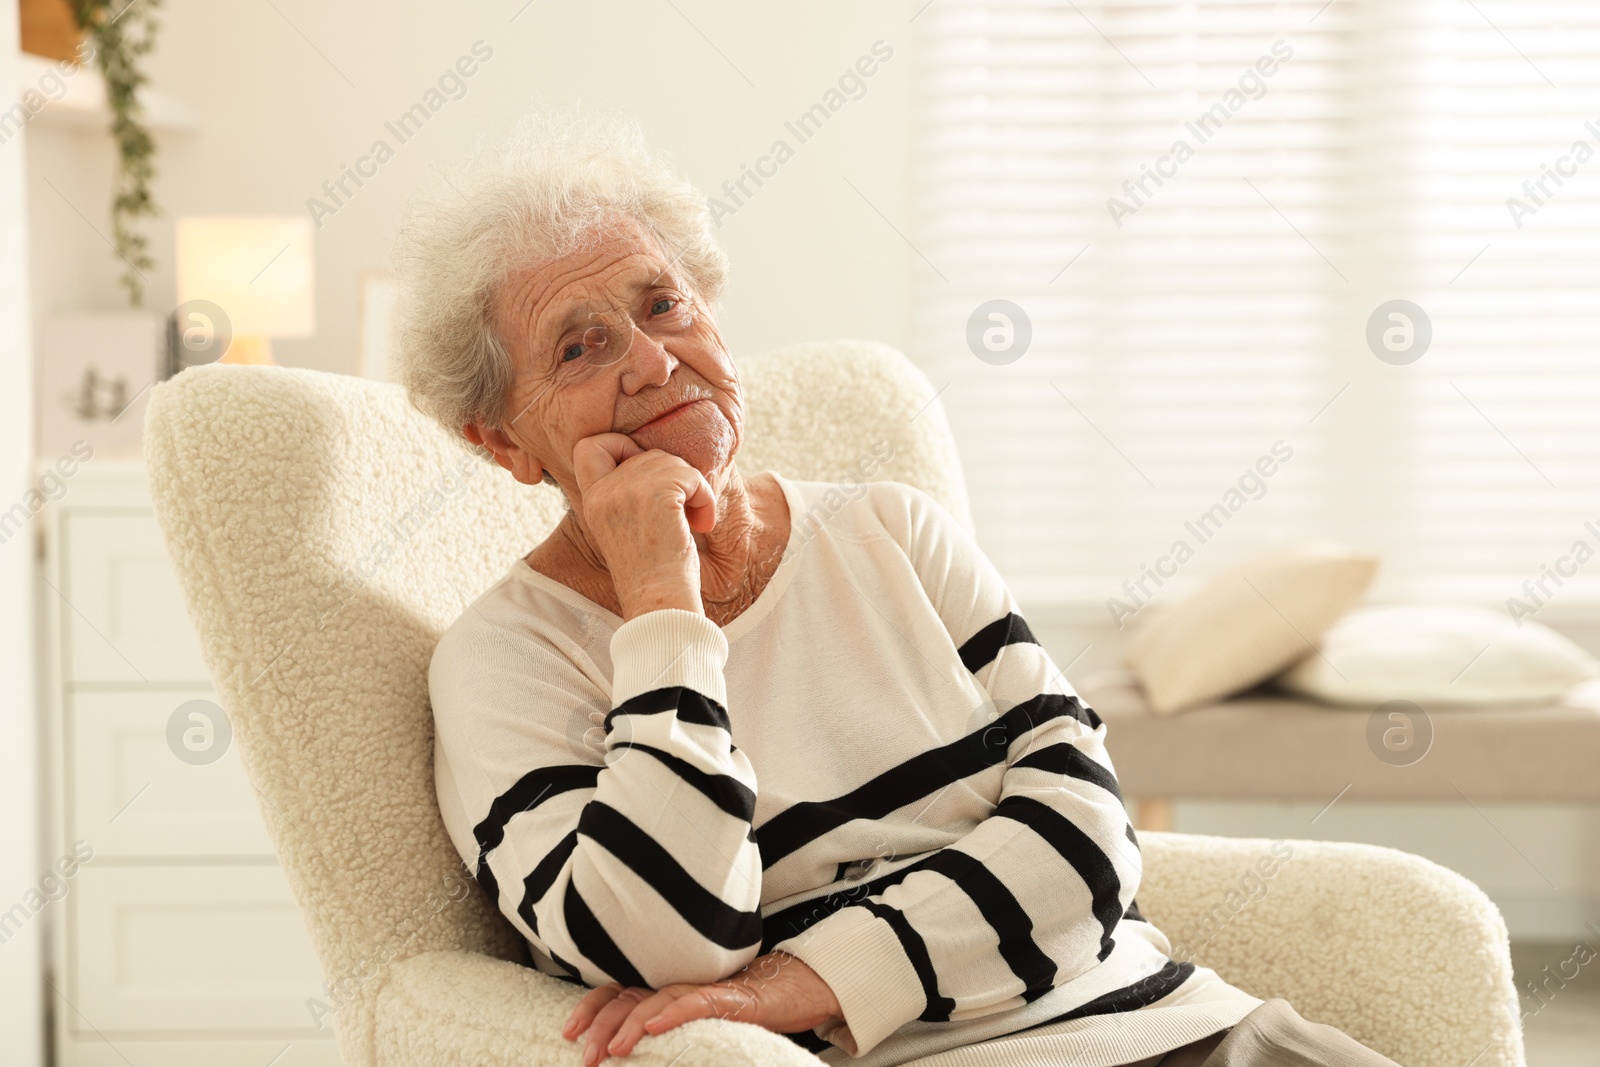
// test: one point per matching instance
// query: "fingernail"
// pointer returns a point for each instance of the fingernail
(589, 1054)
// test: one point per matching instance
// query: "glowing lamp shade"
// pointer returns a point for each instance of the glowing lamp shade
(257, 270)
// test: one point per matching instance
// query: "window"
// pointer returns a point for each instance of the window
(1203, 210)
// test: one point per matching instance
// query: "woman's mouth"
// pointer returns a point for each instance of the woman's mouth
(669, 415)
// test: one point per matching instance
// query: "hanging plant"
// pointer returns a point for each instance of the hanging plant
(120, 39)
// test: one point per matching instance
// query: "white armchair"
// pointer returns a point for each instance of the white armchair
(325, 534)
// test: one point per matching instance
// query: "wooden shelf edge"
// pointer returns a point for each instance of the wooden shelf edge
(83, 103)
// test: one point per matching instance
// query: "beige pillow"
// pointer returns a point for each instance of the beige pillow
(1246, 624)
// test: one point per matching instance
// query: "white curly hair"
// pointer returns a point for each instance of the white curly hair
(556, 182)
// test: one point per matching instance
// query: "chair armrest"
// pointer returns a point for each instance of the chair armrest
(460, 1009)
(1405, 956)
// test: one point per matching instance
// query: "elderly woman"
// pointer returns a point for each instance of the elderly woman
(711, 760)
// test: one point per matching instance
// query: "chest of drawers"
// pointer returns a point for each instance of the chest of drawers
(176, 942)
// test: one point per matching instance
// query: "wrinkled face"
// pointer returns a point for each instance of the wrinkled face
(566, 323)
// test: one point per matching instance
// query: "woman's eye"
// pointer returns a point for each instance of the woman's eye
(573, 351)
(662, 306)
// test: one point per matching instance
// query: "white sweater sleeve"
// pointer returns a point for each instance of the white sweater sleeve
(1052, 869)
(635, 864)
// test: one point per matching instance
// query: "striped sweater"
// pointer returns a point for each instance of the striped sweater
(875, 768)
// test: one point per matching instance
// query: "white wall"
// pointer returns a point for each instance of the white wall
(279, 116)
(21, 1020)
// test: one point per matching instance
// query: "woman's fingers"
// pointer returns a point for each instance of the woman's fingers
(609, 1020)
(700, 503)
(720, 1001)
(642, 509)
(776, 991)
(632, 1028)
(685, 1009)
(588, 1008)
(616, 1017)
(595, 457)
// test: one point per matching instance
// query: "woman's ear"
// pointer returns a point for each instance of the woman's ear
(508, 453)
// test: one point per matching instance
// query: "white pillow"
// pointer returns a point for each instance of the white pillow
(1439, 655)
(1246, 624)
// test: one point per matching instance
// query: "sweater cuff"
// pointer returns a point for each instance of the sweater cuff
(668, 647)
(862, 961)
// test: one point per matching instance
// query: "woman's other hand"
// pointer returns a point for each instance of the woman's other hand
(777, 992)
(641, 509)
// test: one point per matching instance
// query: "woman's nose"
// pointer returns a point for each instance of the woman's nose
(647, 364)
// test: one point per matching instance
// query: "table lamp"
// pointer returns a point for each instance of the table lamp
(258, 270)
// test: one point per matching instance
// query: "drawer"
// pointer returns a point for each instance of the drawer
(120, 1050)
(129, 794)
(189, 948)
(124, 620)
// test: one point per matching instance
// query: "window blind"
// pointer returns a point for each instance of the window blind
(1202, 211)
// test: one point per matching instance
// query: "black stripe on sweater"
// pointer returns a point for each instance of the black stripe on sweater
(1090, 718)
(797, 918)
(690, 705)
(534, 888)
(1141, 994)
(1069, 706)
(905, 783)
(538, 883)
(999, 906)
(937, 1007)
(724, 791)
(572, 975)
(702, 909)
(567, 978)
(727, 793)
(1079, 850)
(593, 941)
(981, 648)
(1072, 761)
(1005, 915)
(531, 790)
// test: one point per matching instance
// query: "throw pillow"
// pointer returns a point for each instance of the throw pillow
(1439, 655)
(1247, 624)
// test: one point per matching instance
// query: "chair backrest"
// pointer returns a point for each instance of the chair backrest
(325, 534)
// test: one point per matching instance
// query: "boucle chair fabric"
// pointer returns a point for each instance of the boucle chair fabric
(325, 534)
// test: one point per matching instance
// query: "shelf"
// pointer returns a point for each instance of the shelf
(83, 105)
